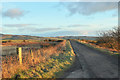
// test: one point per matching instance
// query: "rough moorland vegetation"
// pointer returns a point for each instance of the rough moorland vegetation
(107, 40)
(42, 63)
(110, 38)
(54, 67)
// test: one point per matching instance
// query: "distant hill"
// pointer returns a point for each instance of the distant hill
(78, 37)
(25, 37)
(20, 37)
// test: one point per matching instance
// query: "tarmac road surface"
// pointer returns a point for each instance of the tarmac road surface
(94, 63)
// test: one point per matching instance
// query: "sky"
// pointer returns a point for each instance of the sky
(51, 19)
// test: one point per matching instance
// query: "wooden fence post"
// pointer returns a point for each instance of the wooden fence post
(19, 50)
(31, 53)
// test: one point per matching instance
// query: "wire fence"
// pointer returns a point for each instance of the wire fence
(23, 57)
(12, 50)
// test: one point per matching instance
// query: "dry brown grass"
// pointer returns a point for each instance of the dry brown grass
(99, 45)
(20, 43)
(10, 64)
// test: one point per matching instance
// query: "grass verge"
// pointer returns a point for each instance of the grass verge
(52, 68)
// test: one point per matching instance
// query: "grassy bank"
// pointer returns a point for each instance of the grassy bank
(99, 48)
(52, 68)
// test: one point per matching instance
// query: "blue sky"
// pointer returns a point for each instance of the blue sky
(58, 18)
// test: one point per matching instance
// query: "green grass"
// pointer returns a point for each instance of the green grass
(53, 68)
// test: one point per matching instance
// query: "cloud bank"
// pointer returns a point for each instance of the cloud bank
(14, 13)
(67, 33)
(43, 29)
(78, 25)
(18, 25)
(89, 8)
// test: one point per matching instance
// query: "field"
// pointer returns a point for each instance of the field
(34, 58)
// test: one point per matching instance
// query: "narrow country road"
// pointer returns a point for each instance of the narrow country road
(94, 64)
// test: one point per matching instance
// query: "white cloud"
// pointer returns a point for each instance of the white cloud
(85, 33)
(43, 29)
(88, 8)
(78, 25)
(0, 29)
(18, 25)
(14, 13)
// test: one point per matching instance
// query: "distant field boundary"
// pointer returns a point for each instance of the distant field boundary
(10, 48)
